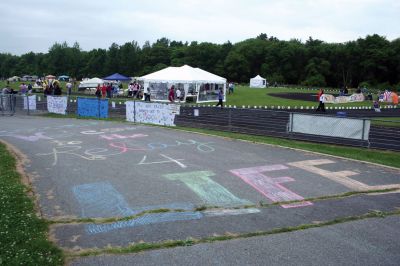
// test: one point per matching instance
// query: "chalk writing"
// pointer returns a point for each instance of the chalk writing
(169, 160)
(101, 200)
(341, 177)
(128, 146)
(118, 136)
(89, 154)
(107, 130)
(57, 105)
(209, 191)
(146, 219)
(35, 137)
(268, 186)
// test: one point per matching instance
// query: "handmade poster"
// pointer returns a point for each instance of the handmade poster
(152, 113)
(57, 105)
(30, 102)
(357, 97)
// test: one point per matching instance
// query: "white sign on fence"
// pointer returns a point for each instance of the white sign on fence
(57, 105)
(357, 97)
(330, 126)
(152, 113)
(30, 102)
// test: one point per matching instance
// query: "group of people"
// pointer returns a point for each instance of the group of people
(52, 87)
(175, 94)
(108, 90)
(135, 90)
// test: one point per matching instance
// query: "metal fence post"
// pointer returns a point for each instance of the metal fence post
(230, 120)
(134, 110)
(363, 129)
(27, 103)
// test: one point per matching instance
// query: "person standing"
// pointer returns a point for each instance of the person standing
(69, 88)
(321, 99)
(103, 91)
(98, 91)
(147, 95)
(178, 95)
(220, 98)
(171, 94)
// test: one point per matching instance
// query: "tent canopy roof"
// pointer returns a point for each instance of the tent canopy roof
(116, 76)
(258, 77)
(92, 80)
(183, 74)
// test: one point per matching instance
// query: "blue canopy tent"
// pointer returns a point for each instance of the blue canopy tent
(117, 76)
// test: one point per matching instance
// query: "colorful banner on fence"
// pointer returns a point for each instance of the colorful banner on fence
(30, 102)
(57, 105)
(357, 97)
(152, 113)
(92, 107)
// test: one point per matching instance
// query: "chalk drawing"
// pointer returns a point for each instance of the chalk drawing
(341, 177)
(37, 136)
(169, 160)
(268, 186)
(101, 200)
(118, 136)
(94, 154)
(200, 146)
(224, 212)
(209, 191)
(203, 147)
(107, 130)
(125, 147)
(152, 218)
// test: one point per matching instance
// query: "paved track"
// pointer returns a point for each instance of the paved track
(194, 185)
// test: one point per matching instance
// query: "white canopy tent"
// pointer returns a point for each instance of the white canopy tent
(193, 82)
(90, 83)
(258, 82)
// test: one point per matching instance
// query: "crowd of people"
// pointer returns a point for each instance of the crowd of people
(108, 90)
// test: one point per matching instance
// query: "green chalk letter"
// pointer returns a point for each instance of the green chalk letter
(212, 193)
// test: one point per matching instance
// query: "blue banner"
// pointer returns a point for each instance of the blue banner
(91, 107)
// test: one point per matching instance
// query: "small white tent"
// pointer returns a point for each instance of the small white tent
(258, 82)
(193, 82)
(90, 83)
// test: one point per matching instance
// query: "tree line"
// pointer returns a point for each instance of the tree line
(370, 61)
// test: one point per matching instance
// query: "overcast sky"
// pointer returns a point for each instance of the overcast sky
(34, 25)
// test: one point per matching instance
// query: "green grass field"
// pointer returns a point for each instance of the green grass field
(246, 96)
(23, 236)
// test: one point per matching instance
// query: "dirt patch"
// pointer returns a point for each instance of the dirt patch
(311, 97)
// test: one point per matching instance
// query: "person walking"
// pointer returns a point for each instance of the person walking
(178, 95)
(171, 94)
(147, 95)
(220, 98)
(321, 99)
(69, 88)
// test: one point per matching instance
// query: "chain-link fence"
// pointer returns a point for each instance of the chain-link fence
(382, 133)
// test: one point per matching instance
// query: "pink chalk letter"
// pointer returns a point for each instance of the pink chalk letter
(270, 187)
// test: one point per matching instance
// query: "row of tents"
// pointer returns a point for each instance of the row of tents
(194, 83)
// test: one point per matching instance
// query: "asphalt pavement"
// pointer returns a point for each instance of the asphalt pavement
(163, 184)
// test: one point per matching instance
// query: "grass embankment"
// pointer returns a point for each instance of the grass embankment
(23, 236)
